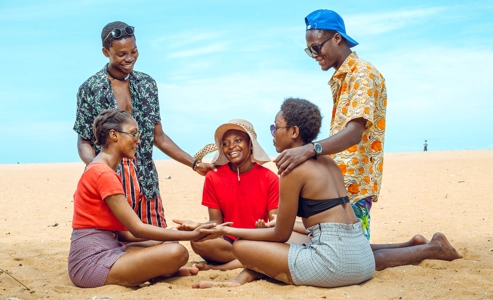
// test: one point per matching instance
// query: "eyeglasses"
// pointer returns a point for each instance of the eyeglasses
(316, 49)
(274, 128)
(118, 32)
(135, 135)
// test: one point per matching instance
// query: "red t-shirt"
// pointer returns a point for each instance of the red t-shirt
(90, 210)
(242, 202)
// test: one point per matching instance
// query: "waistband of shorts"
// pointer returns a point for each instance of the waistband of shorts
(336, 227)
(83, 232)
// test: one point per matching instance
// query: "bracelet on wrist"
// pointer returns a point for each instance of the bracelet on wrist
(195, 163)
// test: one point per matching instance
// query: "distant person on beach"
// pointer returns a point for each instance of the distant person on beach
(242, 191)
(334, 250)
(357, 128)
(103, 219)
(117, 85)
(425, 145)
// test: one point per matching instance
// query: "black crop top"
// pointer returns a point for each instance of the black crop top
(309, 207)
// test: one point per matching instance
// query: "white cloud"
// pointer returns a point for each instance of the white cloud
(378, 23)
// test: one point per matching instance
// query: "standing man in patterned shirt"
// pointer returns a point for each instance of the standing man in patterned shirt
(117, 85)
(357, 128)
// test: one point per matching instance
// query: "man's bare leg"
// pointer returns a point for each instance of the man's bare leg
(438, 248)
(414, 241)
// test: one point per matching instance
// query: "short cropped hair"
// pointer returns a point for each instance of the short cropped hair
(110, 27)
(303, 114)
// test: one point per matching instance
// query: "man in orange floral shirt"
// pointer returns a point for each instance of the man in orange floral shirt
(357, 128)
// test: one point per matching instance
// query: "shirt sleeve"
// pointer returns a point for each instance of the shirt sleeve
(273, 196)
(109, 184)
(84, 117)
(363, 89)
(209, 197)
(155, 102)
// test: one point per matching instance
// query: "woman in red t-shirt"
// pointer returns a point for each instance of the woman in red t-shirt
(241, 191)
(103, 219)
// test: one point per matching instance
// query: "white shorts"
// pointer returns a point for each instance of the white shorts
(338, 255)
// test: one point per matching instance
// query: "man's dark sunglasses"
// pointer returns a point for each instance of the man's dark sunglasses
(118, 32)
(316, 49)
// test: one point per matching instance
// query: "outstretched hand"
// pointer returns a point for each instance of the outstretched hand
(203, 168)
(186, 225)
(214, 232)
(260, 223)
(291, 158)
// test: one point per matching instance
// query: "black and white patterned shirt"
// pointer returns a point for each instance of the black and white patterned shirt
(96, 95)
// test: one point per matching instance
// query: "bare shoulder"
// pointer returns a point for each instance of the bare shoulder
(326, 159)
(301, 171)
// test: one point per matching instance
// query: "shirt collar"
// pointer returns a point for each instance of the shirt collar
(344, 68)
(103, 77)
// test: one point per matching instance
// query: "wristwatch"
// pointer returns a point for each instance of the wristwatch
(318, 149)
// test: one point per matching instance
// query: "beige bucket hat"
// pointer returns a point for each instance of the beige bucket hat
(259, 155)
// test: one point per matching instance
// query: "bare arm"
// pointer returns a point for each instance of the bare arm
(122, 211)
(86, 152)
(168, 147)
(349, 136)
(215, 217)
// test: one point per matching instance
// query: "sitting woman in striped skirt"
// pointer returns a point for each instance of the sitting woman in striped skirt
(103, 219)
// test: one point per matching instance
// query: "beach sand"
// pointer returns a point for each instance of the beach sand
(422, 192)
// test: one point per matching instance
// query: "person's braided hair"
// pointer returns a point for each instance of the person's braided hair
(106, 121)
(303, 114)
(108, 28)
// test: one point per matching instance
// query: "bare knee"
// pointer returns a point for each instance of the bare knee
(201, 248)
(239, 249)
(380, 263)
(177, 252)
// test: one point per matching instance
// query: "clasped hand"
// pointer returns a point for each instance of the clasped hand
(214, 232)
(208, 231)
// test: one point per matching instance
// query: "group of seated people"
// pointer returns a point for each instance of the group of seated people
(252, 215)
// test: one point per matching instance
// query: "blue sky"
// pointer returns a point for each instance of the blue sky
(219, 60)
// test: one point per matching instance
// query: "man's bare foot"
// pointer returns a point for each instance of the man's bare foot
(445, 250)
(209, 284)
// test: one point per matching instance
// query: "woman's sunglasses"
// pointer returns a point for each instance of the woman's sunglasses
(118, 32)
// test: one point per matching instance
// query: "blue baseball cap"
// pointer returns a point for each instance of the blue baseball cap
(324, 19)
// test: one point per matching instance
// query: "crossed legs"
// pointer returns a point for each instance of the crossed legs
(146, 260)
(218, 251)
(259, 259)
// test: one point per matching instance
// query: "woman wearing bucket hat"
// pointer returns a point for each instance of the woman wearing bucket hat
(336, 251)
(326, 261)
(241, 191)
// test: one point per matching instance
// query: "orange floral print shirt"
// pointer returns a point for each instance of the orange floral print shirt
(359, 91)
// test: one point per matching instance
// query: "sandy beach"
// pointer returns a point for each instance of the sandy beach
(422, 192)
